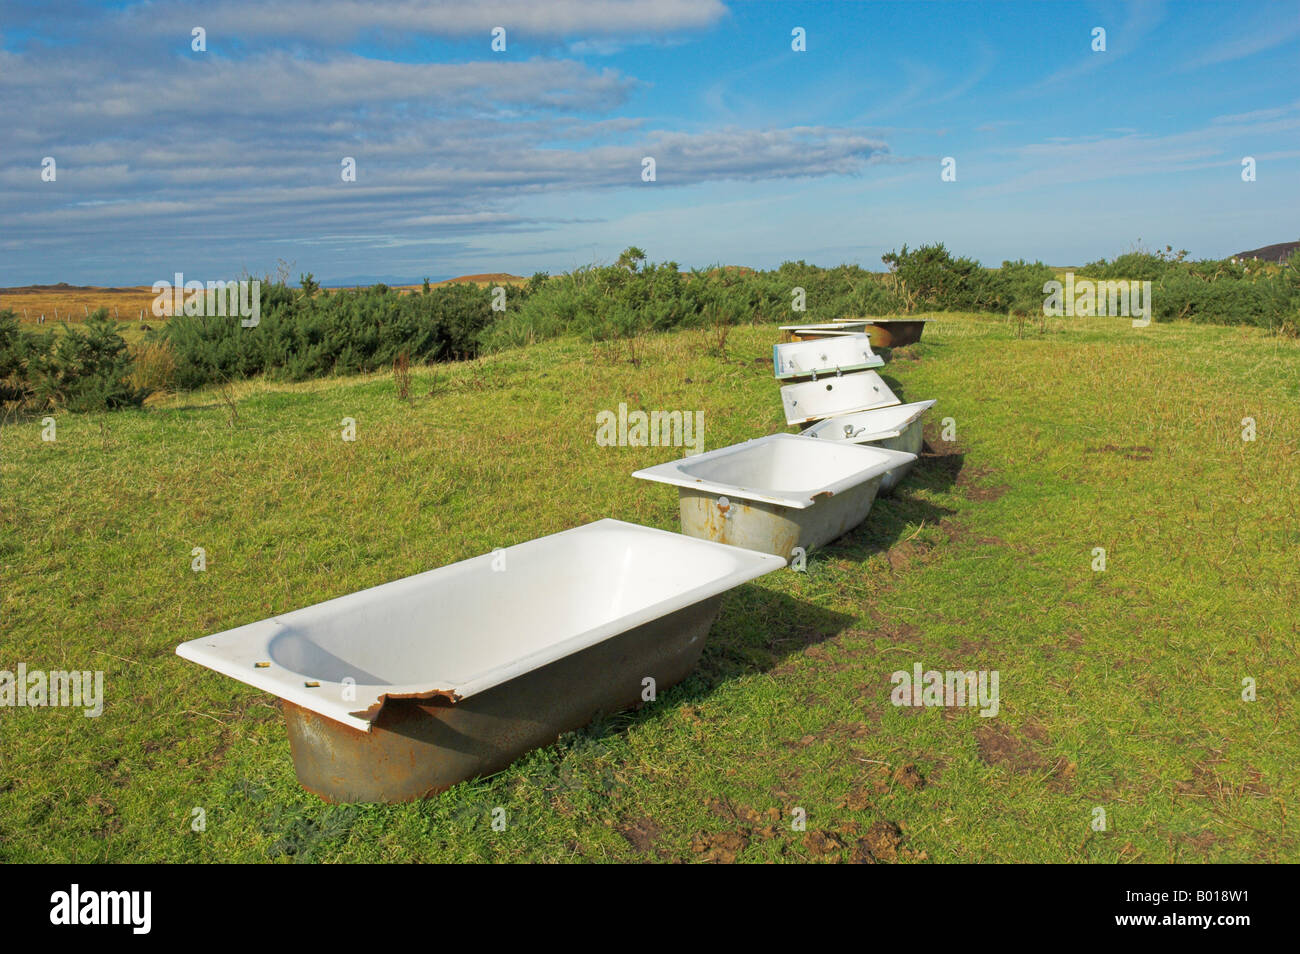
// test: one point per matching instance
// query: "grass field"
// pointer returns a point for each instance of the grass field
(1120, 689)
(73, 303)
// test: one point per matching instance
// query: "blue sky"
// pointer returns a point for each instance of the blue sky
(470, 160)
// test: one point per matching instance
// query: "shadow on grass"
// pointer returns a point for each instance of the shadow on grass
(903, 511)
(759, 628)
(755, 632)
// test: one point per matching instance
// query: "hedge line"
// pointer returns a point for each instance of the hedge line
(307, 332)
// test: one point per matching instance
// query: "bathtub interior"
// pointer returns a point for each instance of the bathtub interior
(477, 619)
(785, 469)
(876, 424)
(468, 626)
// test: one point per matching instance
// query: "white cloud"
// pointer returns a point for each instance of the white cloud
(337, 21)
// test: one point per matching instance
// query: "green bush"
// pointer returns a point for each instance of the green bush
(301, 336)
(1018, 287)
(86, 370)
(1265, 295)
(941, 282)
(13, 359)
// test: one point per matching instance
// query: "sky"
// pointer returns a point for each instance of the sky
(229, 160)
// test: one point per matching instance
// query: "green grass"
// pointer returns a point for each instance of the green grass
(1119, 689)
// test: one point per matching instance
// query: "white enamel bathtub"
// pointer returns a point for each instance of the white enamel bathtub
(829, 397)
(823, 330)
(404, 689)
(778, 492)
(895, 428)
(802, 359)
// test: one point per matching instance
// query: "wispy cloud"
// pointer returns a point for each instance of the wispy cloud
(1060, 161)
(1266, 29)
(1123, 39)
(331, 22)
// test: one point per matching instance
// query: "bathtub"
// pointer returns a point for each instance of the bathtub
(895, 428)
(802, 359)
(829, 397)
(778, 492)
(402, 690)
(895, 332)
(825, 329)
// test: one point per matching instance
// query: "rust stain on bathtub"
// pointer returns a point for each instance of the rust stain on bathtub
(418, 747)
(445, 697)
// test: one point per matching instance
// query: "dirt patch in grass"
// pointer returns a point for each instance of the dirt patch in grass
(1132, 452)
(974, 647)
(889, 628)
(1062, 778)
(908, 777)
(1255, 784)
(823, 845)
(723, 847)
(1021, 752)
(742, 813)
(883, 842)
(641, 834)
(903, 555)
(938, 454)
(1202, 841)
(1208, 781)
(968, 482)
(837, 730)
(720, 847)
(998, 745)
(108, 822)
(957, 532)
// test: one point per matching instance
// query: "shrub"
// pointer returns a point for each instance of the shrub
(84, 371)
(941, 282)
(344, 332)
(1018, 287)
(13, 360)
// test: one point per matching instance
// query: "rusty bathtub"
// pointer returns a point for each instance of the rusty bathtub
(402, 690)
(778, 492)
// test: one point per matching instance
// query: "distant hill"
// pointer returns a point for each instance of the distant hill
(485, 278)
(65, 302)
(1271, 253)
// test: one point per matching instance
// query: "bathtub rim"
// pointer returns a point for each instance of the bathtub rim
(235, 652)
(672, 472)
(842, 327)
